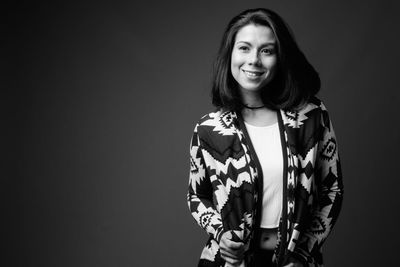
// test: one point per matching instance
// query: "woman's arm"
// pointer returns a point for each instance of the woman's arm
(329, 187)
(200, 193)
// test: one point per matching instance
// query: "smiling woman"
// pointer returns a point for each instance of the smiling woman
(265, 178)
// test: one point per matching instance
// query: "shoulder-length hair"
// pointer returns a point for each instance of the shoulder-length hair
(295, 82)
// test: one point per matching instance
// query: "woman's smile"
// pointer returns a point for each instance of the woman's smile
(253, 74)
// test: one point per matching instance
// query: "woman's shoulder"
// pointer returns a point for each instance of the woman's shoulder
(222, 122)
(311, 112)
(314, 103)
(216, 118)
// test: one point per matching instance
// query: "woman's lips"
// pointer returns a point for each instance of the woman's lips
(253, 74)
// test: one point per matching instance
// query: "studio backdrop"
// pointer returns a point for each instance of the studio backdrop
(99, 102)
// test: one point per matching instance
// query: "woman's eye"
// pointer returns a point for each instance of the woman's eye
(243, 48)
(267, 51)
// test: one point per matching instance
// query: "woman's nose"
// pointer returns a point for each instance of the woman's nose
(254, 58)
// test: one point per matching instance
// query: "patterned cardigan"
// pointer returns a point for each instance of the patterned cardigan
(226, 177)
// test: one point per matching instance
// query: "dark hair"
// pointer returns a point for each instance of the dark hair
(295, 82)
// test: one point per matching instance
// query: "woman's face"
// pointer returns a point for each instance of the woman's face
(254, 58)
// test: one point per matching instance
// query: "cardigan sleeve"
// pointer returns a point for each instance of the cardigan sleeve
(200, 192)
(329, 191)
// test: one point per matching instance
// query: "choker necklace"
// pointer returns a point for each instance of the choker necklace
(246, 106)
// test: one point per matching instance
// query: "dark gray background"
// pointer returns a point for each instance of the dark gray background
(99, 101)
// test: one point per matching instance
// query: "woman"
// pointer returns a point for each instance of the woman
(265, 180)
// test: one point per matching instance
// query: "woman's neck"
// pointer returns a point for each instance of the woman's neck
(259, 117)
(254, 111)
(251, 99)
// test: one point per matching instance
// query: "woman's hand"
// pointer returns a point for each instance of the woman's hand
(232, 252)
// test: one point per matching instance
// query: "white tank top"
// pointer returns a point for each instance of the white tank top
(267, 145)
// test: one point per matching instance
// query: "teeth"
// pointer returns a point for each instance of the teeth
(252, 74)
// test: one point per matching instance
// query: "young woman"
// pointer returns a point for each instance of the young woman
(265, 179)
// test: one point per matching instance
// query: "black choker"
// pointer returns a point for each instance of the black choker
(246, 106)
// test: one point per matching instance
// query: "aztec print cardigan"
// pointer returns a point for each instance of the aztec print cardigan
(226, 177)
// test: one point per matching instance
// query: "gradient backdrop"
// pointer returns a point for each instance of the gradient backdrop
(99, 101)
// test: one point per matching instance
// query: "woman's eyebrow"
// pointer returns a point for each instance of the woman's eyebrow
(238, 42)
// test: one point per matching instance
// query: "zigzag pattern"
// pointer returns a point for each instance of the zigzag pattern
(223, 196)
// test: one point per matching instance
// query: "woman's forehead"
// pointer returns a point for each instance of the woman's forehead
(253, 33)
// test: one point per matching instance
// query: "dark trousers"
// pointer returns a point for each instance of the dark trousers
(263, 258)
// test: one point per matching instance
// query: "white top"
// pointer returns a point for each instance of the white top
(267, 144)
